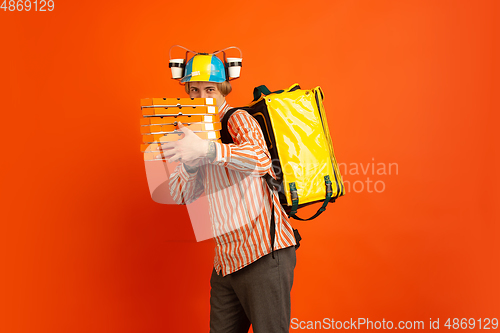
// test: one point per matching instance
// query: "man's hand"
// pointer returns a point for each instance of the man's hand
(189, 150)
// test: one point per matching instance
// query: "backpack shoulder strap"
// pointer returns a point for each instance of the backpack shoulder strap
(224, 133)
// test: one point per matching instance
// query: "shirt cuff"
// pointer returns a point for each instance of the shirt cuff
(222, 154)
(186, 176)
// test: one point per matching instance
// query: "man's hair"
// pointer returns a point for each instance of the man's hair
(224, 87)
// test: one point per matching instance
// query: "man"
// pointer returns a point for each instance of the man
(249, 284)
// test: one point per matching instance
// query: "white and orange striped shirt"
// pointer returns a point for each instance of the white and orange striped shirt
(238, 196)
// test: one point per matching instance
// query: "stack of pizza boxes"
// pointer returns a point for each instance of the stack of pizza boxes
(162, 115)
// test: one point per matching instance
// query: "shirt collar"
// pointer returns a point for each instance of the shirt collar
(223, 109)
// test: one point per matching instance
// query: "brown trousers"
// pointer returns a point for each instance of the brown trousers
(257, 295)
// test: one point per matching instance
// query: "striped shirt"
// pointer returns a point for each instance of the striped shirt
(238, 196)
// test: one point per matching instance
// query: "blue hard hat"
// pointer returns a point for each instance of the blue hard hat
(204, 68)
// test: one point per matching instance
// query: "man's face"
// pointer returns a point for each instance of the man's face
(206, 90)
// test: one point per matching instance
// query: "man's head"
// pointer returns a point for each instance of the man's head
(216, 90)
(206, 78)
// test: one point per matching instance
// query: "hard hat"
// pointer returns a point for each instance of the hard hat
(205, 68)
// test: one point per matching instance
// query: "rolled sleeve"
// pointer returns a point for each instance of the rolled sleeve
(222, 154)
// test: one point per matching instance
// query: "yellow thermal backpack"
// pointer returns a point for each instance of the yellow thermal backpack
(294, 125)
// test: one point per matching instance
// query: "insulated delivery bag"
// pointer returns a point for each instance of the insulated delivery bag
(294, 125)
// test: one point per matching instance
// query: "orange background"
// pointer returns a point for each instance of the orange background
(85, 249)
